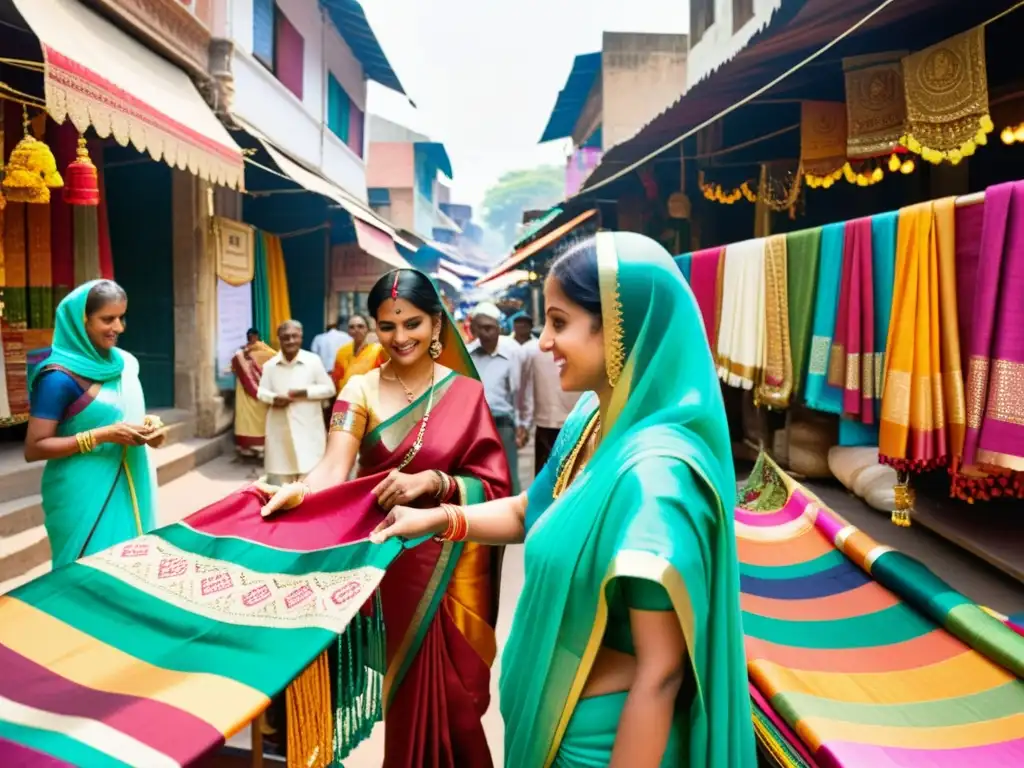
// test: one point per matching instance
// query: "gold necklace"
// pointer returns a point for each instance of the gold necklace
(587, 440)
(409, 396)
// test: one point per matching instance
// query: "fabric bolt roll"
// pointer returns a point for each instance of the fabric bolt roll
(703, 279)
(923, 414)
(995, 386)
(741, 335)
(866, 656)
(775, 386)
(802, 279)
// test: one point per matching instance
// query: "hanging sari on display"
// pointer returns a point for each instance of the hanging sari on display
(250, 411)
(819, 394)
(802, 279)
(994, 438)
(440, 600)
(624, 531)
(741, 331)
(703, 279)
(923, 418)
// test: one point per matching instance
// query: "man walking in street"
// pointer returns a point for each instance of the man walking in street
(497, 360)
(522, 328)
(326, 345)
(294, 384)
(542, 402)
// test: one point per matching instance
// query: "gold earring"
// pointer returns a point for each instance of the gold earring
(435, 348)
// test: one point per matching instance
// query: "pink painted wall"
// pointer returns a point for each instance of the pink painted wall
(390, 165)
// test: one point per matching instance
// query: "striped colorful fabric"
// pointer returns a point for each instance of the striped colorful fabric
(861, 656)
(155, 651)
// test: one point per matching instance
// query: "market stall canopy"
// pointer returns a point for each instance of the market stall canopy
(374, 234)
(586, 68)
(535, 246)
(99, 76)
(351, 22)
(797, 30)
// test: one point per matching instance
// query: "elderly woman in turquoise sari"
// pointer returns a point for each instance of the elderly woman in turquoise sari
(626, 648)
(88, 422)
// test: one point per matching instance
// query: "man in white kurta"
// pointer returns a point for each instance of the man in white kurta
(294, 384)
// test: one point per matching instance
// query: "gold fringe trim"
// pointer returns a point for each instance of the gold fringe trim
(310, 724)
(952, 156)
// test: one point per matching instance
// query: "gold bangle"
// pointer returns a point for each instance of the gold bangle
(86, 441)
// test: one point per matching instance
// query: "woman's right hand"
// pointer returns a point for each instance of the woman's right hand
(119, 434)
(410, 523)
(285, 497)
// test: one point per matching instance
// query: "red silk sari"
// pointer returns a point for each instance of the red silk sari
(439, 600)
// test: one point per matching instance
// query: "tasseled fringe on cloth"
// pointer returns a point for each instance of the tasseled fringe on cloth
(314, 741)
(308, 706)
(361, 667)
(992, 483)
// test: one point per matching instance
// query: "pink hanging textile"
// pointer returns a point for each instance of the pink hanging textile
(704, 284)
(995, 381)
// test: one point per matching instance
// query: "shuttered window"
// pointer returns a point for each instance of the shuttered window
(288, 54)
(338, 104)
(356, 120)
(263, 32)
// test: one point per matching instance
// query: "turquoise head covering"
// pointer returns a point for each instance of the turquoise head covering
(654, 503)
(72, 349)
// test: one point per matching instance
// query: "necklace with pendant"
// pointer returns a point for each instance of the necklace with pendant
(409, 396)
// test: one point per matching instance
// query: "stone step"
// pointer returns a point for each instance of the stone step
(19, 479)
(24, 548)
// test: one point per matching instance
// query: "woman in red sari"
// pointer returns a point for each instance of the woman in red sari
(421, 424)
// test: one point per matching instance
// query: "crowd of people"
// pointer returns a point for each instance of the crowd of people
(626, 647)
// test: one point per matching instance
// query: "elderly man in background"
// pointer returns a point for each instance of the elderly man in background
(294, 384)
(542, 402)
(497, 360)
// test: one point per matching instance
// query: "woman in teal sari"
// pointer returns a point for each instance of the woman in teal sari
(627, 647)
(88, 422)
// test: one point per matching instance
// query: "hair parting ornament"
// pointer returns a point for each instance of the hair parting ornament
(394, 286)
(611, 306)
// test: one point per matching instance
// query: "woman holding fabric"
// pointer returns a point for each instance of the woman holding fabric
(88, 422)
(421, 424)
(359, 356)
(626, 648)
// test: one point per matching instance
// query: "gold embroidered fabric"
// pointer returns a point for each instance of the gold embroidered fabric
(876, 107)
(946, 89)
(823, 137)
(776, 384)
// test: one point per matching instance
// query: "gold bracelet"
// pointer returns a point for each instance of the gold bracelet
(86, 441)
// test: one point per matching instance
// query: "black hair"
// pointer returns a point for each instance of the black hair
(413, 286)
(576, 273)
(253, 332)
(103, 293)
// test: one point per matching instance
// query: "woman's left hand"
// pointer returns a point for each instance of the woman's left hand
(400, 488)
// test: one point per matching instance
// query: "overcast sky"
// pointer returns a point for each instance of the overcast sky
(485, 73)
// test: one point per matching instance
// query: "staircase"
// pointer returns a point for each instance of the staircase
(24, 548)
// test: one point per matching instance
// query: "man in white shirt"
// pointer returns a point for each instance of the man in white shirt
(543, 404)
(294, 384)
(326, 345)
(497, 360)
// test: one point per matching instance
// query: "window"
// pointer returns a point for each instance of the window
(289, 51)
(702, 16)
(338, 108)
(344, 118)
(263, 12)
(742, 12)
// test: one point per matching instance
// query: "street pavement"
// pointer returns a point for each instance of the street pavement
(963, 571)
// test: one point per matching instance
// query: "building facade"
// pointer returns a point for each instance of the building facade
(719, 29)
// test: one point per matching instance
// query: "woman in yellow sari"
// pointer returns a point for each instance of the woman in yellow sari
(250, 413)
(359, 356)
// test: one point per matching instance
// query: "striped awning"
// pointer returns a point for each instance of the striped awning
(99, 76)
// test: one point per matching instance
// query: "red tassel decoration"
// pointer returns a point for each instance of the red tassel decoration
(81, 181)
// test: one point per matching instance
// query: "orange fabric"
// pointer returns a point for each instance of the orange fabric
(347, 365)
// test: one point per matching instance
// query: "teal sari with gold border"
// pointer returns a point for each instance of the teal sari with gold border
(653, 503)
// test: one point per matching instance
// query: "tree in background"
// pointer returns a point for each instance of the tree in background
(518, 191)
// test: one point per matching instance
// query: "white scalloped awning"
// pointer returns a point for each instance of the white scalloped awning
(99, 76)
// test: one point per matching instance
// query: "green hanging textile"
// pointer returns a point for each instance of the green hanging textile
(361, 667)
(261, 291)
